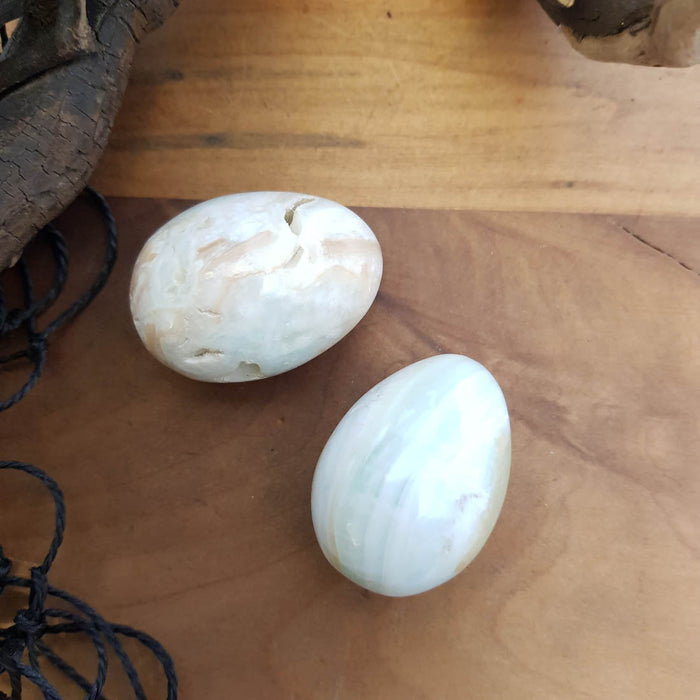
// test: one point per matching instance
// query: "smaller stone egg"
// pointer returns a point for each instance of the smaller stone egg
(250, 285)
(410, 484)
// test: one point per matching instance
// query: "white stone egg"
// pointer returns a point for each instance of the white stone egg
(410, 484)
(251, 285)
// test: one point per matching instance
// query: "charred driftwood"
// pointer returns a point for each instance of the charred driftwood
(646, 32)
(62, 76)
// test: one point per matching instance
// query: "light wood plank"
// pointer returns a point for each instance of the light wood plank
(467, 104)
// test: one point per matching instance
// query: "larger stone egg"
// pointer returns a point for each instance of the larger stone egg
(250, 285)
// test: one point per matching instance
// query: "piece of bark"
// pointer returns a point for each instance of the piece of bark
(52, 32)
(644, 32)
(55, 124)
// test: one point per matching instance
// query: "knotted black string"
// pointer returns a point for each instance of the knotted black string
(32, 625)
(26, 316)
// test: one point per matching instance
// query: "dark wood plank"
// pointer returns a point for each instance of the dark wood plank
(189, 503)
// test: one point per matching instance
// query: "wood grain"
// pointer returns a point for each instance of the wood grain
(466, 104)
(188, 503)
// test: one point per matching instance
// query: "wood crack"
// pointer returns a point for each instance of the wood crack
(637, 237)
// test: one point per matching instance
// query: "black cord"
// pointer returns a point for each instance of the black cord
(36, 622)
(26, 316)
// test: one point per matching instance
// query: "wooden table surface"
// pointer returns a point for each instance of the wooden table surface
(462, 104)
(551, 234)
(188, 503)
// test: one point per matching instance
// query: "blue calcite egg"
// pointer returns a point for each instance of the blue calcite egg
(410, 484)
